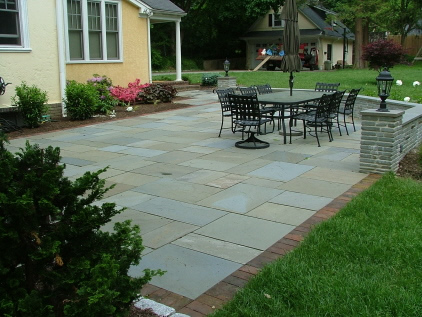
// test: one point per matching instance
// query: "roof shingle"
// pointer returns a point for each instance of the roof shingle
(163, 5)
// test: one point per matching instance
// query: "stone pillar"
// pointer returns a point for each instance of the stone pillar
(226, 82)
(380, 141)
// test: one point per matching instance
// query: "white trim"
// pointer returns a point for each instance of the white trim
(95, 61)
(85, 33)
(61, 45)
(178, 53)
(149, 49)
(104, 33)
(15, 50)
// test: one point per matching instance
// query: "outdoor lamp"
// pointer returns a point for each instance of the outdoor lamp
(384, 83)
(226, 67)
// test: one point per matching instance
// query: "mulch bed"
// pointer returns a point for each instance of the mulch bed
(63, 123)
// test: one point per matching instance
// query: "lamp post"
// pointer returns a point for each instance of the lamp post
(226, 67)
(384, 83)
(344, 46)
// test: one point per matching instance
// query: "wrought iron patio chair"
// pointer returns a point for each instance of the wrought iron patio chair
(327, 87)
(226, 111)
(268, 110)
(247, 115)
(315, 119)
(251, 90)
(336, 99)
(264, 89)
(347, 108)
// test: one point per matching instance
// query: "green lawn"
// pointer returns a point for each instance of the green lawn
(365, 261)
(349, 78)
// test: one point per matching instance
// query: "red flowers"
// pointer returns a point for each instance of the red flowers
(129, 94)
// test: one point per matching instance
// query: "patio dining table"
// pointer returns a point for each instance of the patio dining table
(282, 101)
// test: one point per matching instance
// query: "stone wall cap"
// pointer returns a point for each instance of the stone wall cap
(391, 113)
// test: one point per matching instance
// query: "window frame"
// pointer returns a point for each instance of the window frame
(282, 22)
(86, 31)
(24, 46)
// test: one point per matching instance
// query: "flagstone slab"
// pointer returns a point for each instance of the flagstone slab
(281, 171)
(222, 249)
(180, 211)
(315, 187)
(177, 190)
(166, 234)
(189, 273)
(247, 231)
(240, 198)
(281, 213)
(300, 200)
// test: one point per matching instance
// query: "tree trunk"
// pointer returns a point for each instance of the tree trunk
(358, 44)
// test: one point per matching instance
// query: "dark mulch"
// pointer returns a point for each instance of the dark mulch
(121, 113)
(411, 165)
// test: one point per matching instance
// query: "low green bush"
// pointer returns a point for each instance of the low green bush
(156, 93)
(55, 259)
(209, 79)
(31, 101)
(80, 100)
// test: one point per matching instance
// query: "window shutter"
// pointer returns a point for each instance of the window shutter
(270, 20)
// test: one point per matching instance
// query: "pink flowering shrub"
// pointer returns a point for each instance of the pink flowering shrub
(106, 101)
(129, 94)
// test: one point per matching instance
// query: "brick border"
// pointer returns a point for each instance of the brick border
(223, 291)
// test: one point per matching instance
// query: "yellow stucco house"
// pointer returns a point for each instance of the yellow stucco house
(46, 43)
(317, 35)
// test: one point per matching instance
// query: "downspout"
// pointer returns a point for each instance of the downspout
(178, 53)
(149, 48)
(61, 51)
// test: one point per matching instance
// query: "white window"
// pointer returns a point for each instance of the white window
(277, 21)
(94, 30)
(13, 25)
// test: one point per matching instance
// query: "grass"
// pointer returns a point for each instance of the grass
(365, 261)
(349, 78)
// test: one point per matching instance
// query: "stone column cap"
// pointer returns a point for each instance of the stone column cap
(391, 113)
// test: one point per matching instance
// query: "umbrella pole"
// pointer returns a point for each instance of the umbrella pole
(291, 82)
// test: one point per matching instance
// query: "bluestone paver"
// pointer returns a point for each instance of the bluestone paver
(208, 211)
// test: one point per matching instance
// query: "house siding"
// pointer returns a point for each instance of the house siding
(40, 66)
(135, 53)
(313, 34)
(337, 51)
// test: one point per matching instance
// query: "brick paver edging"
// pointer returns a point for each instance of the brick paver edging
(223, 291)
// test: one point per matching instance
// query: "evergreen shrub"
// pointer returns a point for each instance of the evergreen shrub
(31, 101)
(55, 259)
(209, 79)
(80, 100)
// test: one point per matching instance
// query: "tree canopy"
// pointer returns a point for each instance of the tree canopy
(213, 28)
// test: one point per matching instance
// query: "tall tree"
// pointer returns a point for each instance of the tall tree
(212, 28)
(364, 15)
(404, 16)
